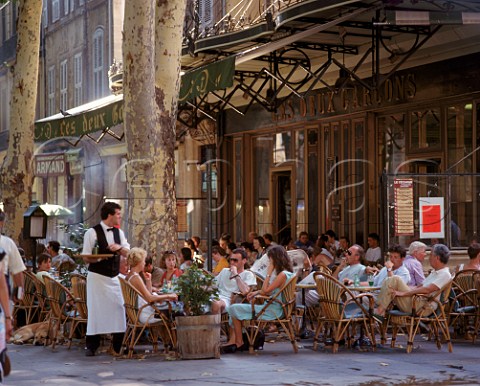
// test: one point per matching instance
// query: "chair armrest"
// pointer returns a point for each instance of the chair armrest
(429, 299)
(154, 305)
(261, 297)
(471, 291)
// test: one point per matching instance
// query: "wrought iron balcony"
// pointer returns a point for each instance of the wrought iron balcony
(243, 19)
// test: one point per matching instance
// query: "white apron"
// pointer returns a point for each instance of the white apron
(105, 305)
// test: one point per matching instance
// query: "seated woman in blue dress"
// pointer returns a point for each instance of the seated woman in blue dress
(279, 271)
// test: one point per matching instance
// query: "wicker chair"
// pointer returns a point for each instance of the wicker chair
(62, 308)
(324, 269)
(411, 321)
(286, 298)
(464, 302)
(79, 291)
(43, 308)
(29, 303)
(158, 327)
(312, 312)
(342, 310)
(259, 279)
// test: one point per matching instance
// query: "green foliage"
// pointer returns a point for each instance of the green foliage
(196, 288)
(75, 234)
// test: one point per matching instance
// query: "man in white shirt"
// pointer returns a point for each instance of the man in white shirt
(350, 265)
(395, 288)
(232, 280)
(345, 273)
(106, 314)
(393, 266)
(12, 261)
(374, 253)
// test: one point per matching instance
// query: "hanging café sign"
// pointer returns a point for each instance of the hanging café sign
(82, 120)
(108, 112)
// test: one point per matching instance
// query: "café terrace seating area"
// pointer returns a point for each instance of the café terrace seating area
(342, 320)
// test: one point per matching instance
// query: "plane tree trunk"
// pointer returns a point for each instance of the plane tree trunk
(151, 56)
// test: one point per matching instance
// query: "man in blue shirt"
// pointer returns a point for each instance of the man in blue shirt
(303, 241)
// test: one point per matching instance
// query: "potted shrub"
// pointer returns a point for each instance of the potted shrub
(198, 332)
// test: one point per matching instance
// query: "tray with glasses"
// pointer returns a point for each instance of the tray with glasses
(97, 256)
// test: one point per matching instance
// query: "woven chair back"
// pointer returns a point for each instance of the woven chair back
(463, 282)
(79, 290)
(331, 293)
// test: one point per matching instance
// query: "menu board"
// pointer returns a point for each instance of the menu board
(403, 195)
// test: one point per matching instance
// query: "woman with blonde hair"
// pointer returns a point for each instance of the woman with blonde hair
(142, 282)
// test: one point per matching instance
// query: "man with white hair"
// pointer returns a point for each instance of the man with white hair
(413, 262)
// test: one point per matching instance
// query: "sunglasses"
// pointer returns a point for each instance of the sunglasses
(348, 252)
(170, 252)
(234, 260)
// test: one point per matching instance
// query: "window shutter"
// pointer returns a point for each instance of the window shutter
(206, 14)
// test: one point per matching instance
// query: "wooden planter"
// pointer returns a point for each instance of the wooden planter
(198, 337)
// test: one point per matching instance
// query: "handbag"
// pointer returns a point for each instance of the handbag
(258, 343)
(5, 361)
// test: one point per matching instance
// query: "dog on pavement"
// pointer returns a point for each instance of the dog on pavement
(36, 331)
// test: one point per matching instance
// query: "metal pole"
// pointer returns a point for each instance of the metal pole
(34, 256)
(209, 209)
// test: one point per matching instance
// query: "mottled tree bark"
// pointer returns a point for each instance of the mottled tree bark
(152, 44)
(16, 177)
(139, 117)
(170, 16)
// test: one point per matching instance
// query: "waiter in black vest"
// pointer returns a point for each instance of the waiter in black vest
(106, 314)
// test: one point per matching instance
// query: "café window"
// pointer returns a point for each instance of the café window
(282, 150)
(460, 137)
(425, 129)
(300, 180)
(262, 153)
(392, 141)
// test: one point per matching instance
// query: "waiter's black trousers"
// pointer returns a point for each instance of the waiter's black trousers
(93, 341)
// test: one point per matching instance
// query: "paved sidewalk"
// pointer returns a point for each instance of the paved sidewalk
(276, 365)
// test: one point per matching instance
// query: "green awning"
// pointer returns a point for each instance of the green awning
(108, 112)
(82, 120)
(214, 76)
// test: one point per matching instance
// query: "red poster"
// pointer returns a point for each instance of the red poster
(432, 218)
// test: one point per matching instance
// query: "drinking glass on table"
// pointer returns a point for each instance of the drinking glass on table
(370, 280)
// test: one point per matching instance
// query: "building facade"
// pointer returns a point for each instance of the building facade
(330, 160)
